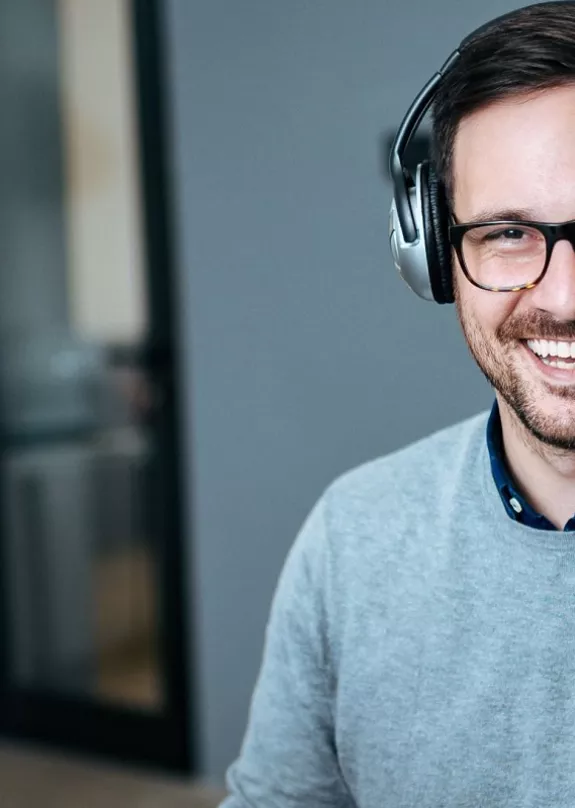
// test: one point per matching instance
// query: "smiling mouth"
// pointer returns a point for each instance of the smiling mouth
(555, 354)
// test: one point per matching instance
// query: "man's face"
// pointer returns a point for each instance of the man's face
(519, 155)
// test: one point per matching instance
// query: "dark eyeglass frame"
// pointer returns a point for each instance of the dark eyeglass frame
(552, 232)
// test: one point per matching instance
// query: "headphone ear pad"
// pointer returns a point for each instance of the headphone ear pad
(436, 229)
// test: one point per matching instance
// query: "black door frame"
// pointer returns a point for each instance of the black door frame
(119, 733)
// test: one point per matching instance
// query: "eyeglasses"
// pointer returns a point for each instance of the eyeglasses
(507, 256)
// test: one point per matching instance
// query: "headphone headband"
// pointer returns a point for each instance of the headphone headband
(397, 169)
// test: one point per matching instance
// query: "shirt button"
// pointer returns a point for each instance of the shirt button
(515, 504)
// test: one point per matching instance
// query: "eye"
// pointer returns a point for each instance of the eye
(510, 234)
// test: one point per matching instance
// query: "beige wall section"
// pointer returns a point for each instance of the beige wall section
(104, 229)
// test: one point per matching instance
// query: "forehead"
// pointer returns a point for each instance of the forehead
(518, 153)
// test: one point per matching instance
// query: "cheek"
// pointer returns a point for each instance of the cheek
(485, 310)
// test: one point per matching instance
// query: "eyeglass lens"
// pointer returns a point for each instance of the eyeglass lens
(504, 255)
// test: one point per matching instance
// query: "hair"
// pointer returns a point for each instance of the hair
(532, 49)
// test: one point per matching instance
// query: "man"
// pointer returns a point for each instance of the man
(421, 644)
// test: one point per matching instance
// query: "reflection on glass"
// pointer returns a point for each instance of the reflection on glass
(79, 524)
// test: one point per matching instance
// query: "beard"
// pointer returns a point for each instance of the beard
(497, 357)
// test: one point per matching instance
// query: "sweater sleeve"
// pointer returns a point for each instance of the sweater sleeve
(288, 757)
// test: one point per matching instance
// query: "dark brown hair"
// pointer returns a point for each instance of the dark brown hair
(532, 49)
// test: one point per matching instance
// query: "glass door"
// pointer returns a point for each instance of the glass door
(93, 640)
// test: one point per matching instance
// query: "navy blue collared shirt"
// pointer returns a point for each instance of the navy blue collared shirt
(515, 504)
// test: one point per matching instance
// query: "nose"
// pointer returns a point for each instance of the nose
(555, 293)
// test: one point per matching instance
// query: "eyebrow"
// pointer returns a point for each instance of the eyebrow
(513, 215)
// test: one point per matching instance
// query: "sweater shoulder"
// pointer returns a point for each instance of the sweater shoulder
(418, 472)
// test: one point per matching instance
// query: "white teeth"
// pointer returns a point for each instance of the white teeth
(543, 348)
(558, 363)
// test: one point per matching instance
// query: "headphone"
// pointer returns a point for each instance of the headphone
(419, 215)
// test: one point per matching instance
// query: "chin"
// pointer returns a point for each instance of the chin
(549, 418)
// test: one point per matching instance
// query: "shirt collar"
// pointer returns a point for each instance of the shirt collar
(515, 504)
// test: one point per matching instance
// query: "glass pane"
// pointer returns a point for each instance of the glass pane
(76, 398)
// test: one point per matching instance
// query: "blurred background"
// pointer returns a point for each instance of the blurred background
(200, 327)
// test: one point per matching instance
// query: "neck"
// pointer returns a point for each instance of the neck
(544, 475)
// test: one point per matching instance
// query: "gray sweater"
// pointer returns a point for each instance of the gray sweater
(420, 650)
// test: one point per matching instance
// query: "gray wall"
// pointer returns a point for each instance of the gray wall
(304, 353)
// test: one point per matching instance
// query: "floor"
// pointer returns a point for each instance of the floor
(34, 779)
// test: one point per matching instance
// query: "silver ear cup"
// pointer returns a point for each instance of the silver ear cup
(393, 227)
(410, 258)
